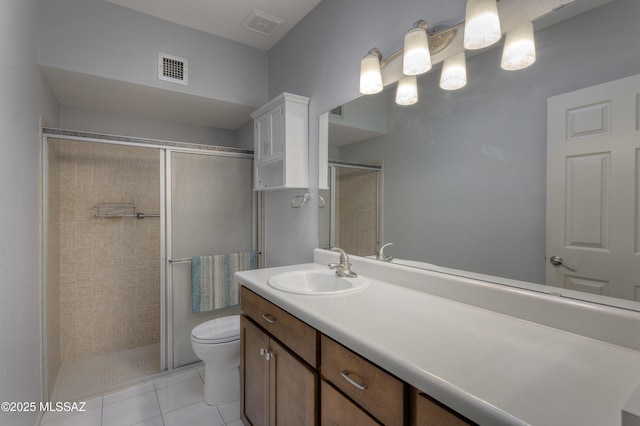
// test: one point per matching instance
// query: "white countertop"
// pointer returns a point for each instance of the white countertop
(492, 368)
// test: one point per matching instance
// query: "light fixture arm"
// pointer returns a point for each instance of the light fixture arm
(439, 39)
(377, 52)
(421, 23)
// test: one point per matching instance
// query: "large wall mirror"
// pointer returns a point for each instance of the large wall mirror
(458, 181)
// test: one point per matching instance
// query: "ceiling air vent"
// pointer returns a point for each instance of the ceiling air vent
(173, 69)
(262, 22)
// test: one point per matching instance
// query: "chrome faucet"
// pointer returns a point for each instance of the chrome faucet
(380, 255)
(343, 269)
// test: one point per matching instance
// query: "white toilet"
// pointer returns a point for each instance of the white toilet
(217, 344)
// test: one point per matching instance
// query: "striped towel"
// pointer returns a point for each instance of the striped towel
(212, 283)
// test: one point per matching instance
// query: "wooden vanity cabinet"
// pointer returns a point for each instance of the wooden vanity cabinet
(291, 374)
(426, 411)
(336, 409)
(376, 391)
(278, 387)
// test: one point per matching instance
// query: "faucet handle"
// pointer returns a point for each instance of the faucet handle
(380, 255)
(343, 269)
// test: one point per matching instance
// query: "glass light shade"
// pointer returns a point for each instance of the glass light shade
(370, 76)
(519, 48)
(454, 72)
(407, 91)
(482, 24)
(416, 59)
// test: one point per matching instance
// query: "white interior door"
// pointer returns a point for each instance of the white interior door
(593, 184)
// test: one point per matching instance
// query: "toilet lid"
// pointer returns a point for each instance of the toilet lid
(219, 330)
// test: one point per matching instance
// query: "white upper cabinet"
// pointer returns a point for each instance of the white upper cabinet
(281, 152)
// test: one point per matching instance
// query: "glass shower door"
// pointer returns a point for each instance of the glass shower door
(210, 206)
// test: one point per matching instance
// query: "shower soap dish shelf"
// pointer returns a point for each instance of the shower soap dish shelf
(120, 210)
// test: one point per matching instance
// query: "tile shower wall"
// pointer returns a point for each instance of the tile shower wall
(109, 267)
(356, 210)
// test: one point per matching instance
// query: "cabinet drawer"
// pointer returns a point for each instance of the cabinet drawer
(338, 410)
(375, 390)
(298, 336)
(427, 411)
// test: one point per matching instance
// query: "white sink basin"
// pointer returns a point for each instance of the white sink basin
(316, 282)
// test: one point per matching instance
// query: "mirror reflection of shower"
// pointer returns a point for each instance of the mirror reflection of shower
(351, 216)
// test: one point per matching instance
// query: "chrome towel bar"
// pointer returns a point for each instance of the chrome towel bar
(188, 259)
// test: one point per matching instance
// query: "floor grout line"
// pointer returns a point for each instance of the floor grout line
(151, 412)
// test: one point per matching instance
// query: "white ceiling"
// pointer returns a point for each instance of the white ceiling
(224, 18)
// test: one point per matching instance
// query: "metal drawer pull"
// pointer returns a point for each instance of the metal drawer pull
(269, 318)
(262, 351)
(269, 356)
(345, 374)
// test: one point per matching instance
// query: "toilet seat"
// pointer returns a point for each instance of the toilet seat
(216, 331)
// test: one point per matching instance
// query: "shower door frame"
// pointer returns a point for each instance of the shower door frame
(256, 232)
(166, 148)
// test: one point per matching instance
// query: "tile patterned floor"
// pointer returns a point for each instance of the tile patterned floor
(174, 400)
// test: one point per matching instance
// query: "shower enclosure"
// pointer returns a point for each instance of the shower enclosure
(122, 218)
(350, 208)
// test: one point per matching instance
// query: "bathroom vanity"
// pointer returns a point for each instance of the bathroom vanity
(284, 360)
(397, 352)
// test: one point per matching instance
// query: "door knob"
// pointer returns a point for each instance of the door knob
(558, 261)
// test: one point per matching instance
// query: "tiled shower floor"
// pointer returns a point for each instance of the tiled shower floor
(102, 373)
(171, 400)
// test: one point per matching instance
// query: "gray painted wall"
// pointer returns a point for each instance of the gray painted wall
(328, 72)
(244, 136)
(99, 38)
(23, 97)
(143, 127)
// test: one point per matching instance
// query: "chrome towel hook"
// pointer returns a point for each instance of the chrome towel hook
(300, 200)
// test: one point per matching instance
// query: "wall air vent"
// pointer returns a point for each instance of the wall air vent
(262, 23)
(172, 69)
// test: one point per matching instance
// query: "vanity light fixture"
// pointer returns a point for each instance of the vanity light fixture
(372, 63)
(417, 58)
(370, 76)
(454, 72)
(519, 48)
(482, 27)
(407, 91)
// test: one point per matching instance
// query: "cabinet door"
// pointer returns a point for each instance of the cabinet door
(254, 374)
(427, 411)
(263, 137)
(337, 410)
(293, 389)
(277, 132)
(296, 335)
